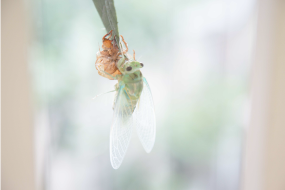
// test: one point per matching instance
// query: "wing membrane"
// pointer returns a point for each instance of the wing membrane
(121, 129)
(144, 118)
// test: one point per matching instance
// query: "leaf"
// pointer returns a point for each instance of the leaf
(107, 12)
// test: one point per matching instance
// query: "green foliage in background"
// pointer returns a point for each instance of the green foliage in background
(107, 12)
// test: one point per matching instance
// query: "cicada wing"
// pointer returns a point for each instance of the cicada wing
(144, 118)
(121, 129)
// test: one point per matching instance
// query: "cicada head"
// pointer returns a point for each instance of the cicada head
(132, 66)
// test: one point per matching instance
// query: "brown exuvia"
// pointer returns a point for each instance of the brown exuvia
(108, 58)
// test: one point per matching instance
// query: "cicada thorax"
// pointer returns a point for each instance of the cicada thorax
(133, 86)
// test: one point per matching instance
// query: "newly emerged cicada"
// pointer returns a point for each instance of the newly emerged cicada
(133, 103)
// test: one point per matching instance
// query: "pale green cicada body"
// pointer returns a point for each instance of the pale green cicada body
(133, 107)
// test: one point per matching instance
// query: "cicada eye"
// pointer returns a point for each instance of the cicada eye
(142, 64)
(129, 68)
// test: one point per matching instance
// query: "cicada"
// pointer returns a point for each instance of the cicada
(133, 107)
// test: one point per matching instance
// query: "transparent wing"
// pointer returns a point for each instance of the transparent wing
(121, 129)
(144, 118)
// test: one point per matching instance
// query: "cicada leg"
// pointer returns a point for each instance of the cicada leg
(134, 54)
(114, 41)
(118, 54)
(111, 31)
(116, 94)
(126, 45)
(114, 77)
(117, 86)
(103, 93)
(120, 63)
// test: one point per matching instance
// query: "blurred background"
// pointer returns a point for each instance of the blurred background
(215, 71)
